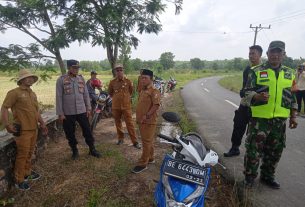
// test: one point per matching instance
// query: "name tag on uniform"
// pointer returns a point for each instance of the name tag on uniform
(263, 74)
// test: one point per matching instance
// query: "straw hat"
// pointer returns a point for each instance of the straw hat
(24, 73)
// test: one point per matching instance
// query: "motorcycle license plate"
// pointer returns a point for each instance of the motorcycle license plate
(185, 171)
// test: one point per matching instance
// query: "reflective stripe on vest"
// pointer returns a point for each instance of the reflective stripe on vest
(274, 108)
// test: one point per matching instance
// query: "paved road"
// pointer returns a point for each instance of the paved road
(212, 108)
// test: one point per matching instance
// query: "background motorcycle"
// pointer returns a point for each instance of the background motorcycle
(102, 108)
(184, 174)
(159, 84)
(171, 84)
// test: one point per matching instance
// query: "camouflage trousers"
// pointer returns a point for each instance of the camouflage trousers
(265, 139)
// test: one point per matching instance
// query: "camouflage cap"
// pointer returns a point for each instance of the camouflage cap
(118, 66)
(277, 44)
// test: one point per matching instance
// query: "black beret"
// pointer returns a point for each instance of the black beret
(147, 72)
(71, 63)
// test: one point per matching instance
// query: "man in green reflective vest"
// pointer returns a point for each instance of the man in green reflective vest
(268, 91)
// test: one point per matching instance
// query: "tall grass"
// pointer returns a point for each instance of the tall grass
(233, 83)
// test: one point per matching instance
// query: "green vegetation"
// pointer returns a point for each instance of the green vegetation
(233, 83)
(177, 106)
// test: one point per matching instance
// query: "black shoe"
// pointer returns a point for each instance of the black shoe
(234, 151)
(75, 154)
(270, 182)
(120, 142)
(249, 182)
(137, 145)
(138, 169)
(93, 152)
(33, 176)
(23, 186)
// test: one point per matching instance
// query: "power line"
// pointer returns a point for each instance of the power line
(208, 32)
(287, 15)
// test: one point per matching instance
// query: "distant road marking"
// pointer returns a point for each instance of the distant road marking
(233, 104)
(207, 90)
(201, 84)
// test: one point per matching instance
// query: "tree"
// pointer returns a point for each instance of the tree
(124, 57)
(37, 18)
(167, 60)
(196, 63)
(111, 23)
(136, 64)
(215, 65)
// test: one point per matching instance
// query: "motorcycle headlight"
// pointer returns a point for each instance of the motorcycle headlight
(102, 98)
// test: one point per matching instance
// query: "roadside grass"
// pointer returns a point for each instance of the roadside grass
(233, 83)
(176, 105)
(87, 182)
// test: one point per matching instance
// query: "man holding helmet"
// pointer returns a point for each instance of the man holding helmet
(92, 84)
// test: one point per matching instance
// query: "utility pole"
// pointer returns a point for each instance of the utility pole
(257, 29)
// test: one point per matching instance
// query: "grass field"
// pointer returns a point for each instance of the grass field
(233, 83)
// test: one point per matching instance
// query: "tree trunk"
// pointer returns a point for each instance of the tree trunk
(60, 62)
(111, 58)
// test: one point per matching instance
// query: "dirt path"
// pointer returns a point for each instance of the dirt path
(107, 181)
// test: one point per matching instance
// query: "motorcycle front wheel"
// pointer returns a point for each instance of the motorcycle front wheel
(95, 120)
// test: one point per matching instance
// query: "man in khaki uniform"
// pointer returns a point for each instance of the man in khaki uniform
(148, 105)
(121, 89)
(139, 86)
(24, 105)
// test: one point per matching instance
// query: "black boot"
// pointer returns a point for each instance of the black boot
(75, 154)
(234, 151)
(93, 152)
(272, 183)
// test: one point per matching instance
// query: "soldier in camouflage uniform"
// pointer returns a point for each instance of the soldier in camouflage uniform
(268, 91)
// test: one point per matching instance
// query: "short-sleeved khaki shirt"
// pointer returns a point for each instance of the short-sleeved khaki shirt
(24, 105)
(147, 99)
(121, 91)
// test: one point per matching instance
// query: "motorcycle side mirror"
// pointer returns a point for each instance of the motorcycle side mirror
(171, 117)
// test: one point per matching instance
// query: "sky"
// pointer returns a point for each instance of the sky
(207, 29)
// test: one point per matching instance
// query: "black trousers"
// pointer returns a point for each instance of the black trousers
(69, 128)
(300, 96)
(241, 120)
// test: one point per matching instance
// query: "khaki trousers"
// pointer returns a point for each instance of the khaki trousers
(147, 132)
(26, 143)
(117, 115)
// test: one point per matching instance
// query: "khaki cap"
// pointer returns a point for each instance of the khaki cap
(118, 66)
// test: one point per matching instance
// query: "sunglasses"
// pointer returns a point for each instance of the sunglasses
(119, 70)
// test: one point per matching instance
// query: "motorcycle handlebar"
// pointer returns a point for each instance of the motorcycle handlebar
(170, 139)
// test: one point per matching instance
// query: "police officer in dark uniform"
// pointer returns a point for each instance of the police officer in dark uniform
(73, 104)
(243, 113)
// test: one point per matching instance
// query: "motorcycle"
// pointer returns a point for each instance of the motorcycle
(184, 174)
(159, 84)
(102, 108)
(171, 84)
